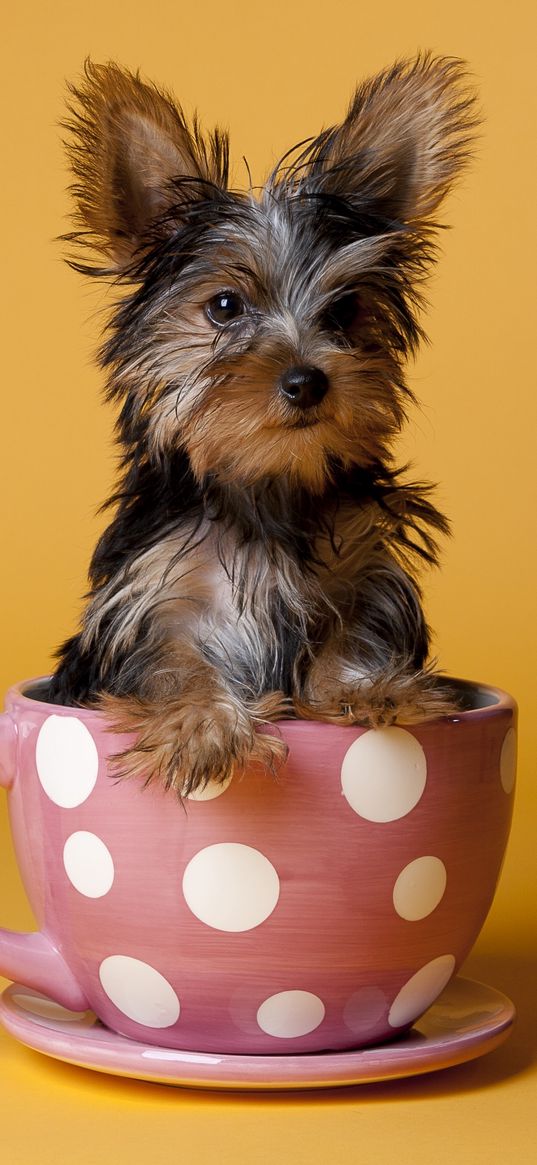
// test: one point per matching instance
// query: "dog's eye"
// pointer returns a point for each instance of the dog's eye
(224, 307)
(343, 312)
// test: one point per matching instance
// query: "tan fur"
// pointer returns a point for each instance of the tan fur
(206, 735)
(139, 142)
(334, 695)
(186, 717)
(194, 624)
(417, 119)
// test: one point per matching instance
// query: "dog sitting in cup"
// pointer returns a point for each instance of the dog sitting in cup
(262, 554)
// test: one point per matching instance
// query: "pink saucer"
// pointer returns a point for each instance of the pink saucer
(467, 1020)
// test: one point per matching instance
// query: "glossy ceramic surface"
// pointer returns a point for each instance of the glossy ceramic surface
(468, 1020)
(326, 909)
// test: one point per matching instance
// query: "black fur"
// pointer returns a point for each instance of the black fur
(155, 501)
(255, 564)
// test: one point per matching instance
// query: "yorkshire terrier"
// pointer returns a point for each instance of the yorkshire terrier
(261, 559)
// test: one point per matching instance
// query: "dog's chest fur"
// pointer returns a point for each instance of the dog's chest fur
(257, 607)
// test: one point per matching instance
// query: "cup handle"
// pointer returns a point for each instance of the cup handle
(33, 959)
(8, 749)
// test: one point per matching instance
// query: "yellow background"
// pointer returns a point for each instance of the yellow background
(275, 73)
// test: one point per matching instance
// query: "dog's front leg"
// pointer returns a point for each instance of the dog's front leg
(339, 691)
(373, 669)
(191, 727)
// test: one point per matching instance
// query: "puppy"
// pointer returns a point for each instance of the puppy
(262, 552)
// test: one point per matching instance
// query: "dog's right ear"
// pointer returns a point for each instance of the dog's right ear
(135, 162)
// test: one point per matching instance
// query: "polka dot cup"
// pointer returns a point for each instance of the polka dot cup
(325, 909)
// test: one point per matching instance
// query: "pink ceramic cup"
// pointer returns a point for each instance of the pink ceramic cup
(325, 909)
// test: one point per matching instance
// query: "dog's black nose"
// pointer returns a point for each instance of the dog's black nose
(303, 386)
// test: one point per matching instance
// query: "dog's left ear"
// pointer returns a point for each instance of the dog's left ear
(406, 138)
(135, 161)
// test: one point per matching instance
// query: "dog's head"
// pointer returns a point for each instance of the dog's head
(265, 332)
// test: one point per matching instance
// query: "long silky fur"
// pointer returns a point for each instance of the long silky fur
(251, 564)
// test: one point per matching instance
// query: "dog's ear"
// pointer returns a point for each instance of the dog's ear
(135, 160)
(407, 136)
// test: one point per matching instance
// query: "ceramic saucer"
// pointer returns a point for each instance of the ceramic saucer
(467, 1020)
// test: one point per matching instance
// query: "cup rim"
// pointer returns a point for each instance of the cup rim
(500, 701)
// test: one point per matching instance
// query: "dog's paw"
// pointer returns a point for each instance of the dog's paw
(395, 698)
(349, 706)
(410, 698)
(187, 745)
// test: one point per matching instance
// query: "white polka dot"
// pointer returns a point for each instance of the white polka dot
(419, 888)
(212, 789)
(421, 990)
(230, 886)
(384, 773)
(139, 991)
(88, 864)
(67, 760)
(290, 1014)
(364, 1009)
(508, 761)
